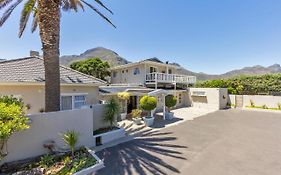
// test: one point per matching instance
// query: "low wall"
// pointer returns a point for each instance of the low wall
(49, 126)
(259, 100)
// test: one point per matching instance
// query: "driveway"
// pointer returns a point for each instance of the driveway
(230, 142)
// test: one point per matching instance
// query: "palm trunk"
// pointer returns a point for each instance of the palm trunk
(49, 24)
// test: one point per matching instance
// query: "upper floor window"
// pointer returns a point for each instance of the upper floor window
(170, 71)
(153, 69)
(136, 71)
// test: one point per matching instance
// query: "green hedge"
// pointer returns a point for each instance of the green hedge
(247, 85)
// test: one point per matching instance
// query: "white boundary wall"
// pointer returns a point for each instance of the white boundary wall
(49, 126)
(259, 100)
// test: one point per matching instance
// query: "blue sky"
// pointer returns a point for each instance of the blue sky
(212, 36)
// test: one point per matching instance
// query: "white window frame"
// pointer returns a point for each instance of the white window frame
(156, 69)
(73, 98)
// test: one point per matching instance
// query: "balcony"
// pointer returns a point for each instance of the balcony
(169, 78)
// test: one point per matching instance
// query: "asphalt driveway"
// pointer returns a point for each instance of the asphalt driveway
(231, 142)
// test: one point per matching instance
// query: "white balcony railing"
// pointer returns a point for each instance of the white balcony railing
(170, 78)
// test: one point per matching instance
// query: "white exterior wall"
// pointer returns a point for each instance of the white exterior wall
(260, 100)
(130, 78)
(34, 95)
(49, 126)
(215, 98)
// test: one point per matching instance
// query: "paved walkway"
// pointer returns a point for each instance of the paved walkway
(231, 142)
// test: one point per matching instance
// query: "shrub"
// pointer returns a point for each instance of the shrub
(70, 138)
(264, 107)
(170, 101)
(124, 96)
(112, 109)
(148, 103)
(136, 113)
(46, 161)
(252, 104)
(12, 119)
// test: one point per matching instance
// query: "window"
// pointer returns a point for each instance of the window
(170, 71)
(153, 69)
(69, 102)
(136, 71)
(79, 101)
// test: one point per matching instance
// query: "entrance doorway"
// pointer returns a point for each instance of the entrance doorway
(132, 104)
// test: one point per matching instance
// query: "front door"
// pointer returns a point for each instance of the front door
(132, 104)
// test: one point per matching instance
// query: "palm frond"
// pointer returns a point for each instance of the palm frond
(25, 14)
(8, 12)
(4, 3)
(101, 4)
(35, 21)
(98, 12)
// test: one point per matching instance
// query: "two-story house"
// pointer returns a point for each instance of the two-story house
(150, 73)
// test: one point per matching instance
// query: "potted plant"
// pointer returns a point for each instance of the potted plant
(170, 101)
(136, 116)
(124, 97)
(148, 103)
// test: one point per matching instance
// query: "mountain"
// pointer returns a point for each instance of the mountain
(114, 59)
(2, 59)
(254, 70)
(105, 54)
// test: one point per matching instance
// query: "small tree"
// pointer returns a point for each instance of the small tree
(148, 103)
(12, 119)
(170, 101)
(112, 110)
(124, 97)
(70, 138)
(279, 106)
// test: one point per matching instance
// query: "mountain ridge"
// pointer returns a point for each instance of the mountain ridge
(114, 59)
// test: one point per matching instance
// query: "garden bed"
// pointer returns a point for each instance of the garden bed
(104, 130)
(84, 161)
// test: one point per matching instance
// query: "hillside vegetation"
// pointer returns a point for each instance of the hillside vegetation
(247, 85)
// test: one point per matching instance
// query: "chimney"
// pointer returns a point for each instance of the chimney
(34, 53)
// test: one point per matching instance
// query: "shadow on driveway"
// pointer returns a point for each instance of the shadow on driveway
(142, 155)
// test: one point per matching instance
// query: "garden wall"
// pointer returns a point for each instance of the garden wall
(259, 100)
(49, 126)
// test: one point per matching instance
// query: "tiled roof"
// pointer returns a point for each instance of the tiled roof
(31, 70)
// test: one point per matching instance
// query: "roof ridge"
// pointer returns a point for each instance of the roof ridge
(82, 73)
(64, 67)
(17, 59)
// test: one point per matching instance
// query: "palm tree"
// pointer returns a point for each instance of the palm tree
(46, 14)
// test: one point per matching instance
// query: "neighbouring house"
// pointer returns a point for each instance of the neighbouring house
(25, 78)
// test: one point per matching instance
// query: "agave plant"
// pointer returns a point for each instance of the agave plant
(70, 138)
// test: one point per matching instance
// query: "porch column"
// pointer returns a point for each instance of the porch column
(164, 107)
